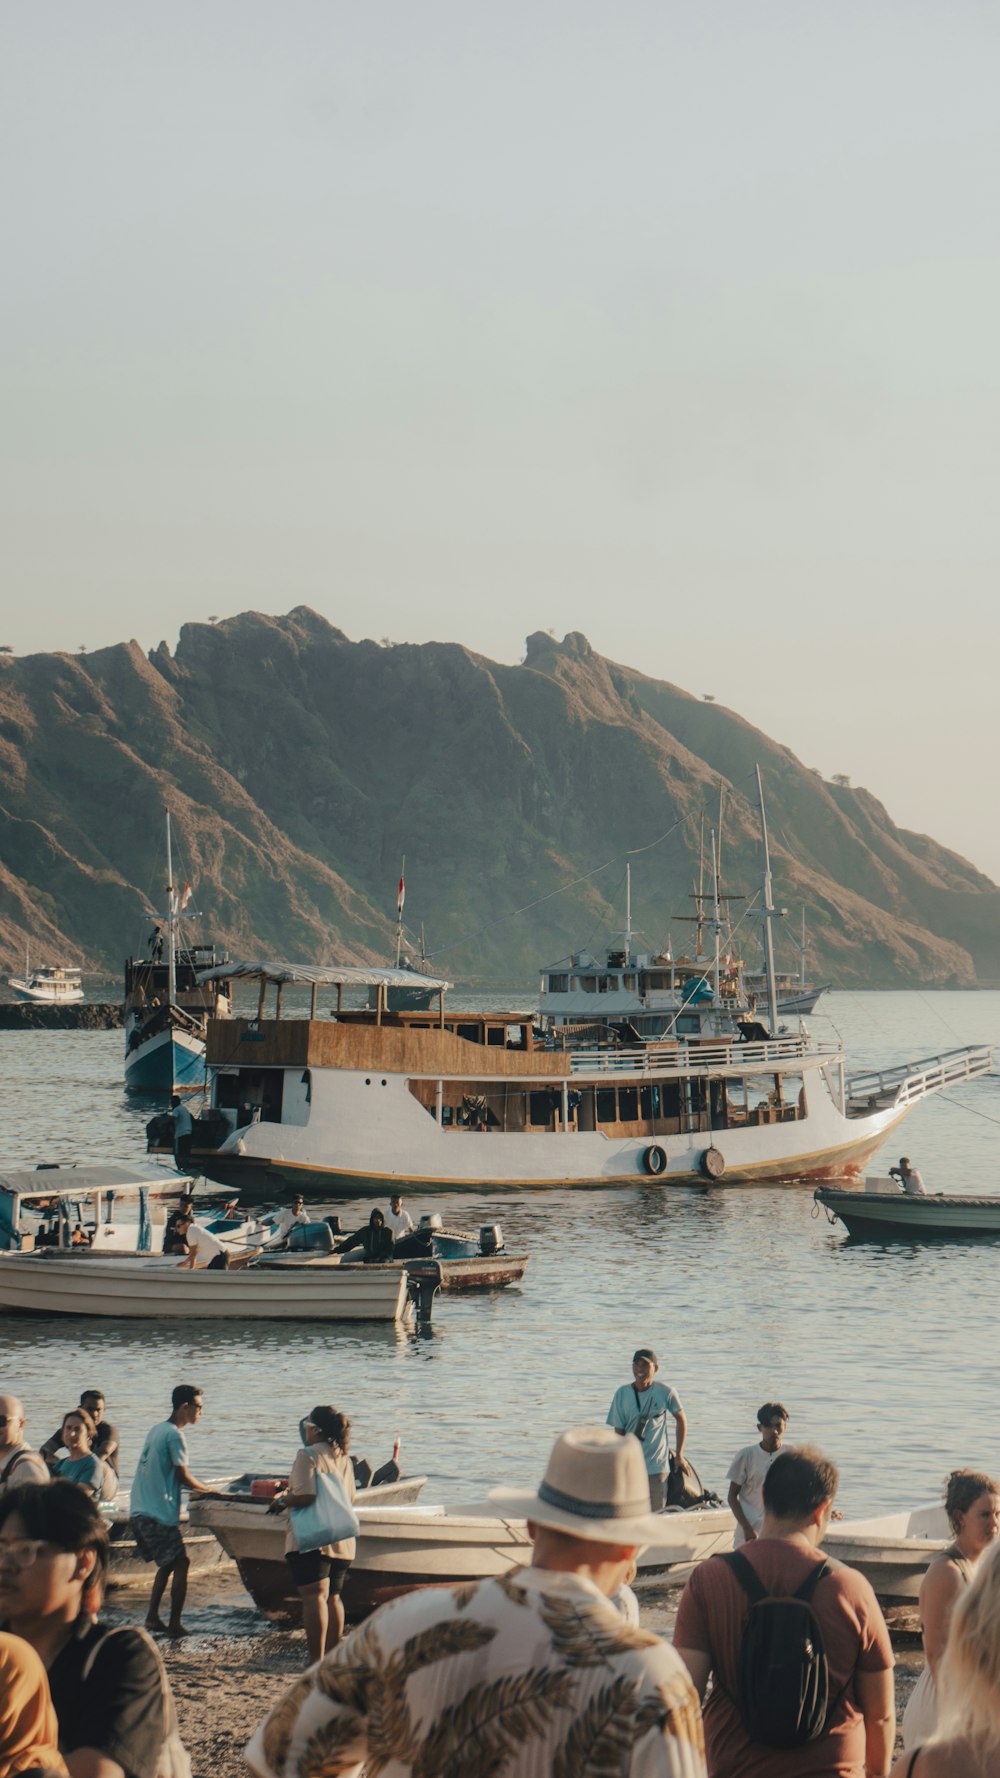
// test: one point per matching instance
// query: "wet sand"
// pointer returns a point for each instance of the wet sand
(234, 1665)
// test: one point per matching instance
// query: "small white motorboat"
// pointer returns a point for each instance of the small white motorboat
(402, 1547)
(891, 1551)
(58, 985)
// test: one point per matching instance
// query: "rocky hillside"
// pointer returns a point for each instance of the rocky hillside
(299, 767)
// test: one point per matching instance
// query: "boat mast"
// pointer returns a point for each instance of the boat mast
(628, 915)
(802, 951)
(400, 898)
(171, 925)
(768, 910)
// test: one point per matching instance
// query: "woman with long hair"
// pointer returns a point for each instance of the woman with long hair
(966, 1743)
(79, 1430)
(319, 1574)
(110, 1692)
(972, 1502)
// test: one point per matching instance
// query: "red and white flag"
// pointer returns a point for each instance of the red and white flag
(184, 899)
(400, 895)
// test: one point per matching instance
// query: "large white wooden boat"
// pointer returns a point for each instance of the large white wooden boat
(159, 1287)
(56, 985)
(413, 1546)
(892, 1550)
(107, 1206)
(344, 1103)
(891, 1214)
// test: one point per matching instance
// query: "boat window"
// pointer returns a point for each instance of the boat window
(495, 1035)
(587, 983)
(447, 1116)
(540, 1108)
(516, 1038)
(649, 1101)
(608, 984)
(628, 1103)
(471, 1033)
(687, 1025)
(558, 984)
(628, 981)
(606, 1107)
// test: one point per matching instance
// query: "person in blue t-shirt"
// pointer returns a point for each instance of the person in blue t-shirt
(156, 1506)
(641, 1407)
(81, 1465)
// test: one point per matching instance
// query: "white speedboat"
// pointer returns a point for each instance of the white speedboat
(891, 1551)
(891, 1214)
(404, 1547)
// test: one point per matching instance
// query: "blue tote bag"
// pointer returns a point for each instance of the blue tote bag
(330, 1517)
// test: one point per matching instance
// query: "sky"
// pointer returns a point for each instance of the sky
(673, 325)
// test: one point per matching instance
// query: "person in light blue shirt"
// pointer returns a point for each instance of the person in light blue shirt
(641, 1407)
(156, 1506)
(81, 1466)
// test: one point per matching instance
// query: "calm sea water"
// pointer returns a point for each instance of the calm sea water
(885, 1355)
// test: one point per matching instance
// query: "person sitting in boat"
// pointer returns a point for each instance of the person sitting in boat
(375, 1239)
(909, 1178)
(81, 1466)
(972, 1503)
(205, 1252)
(175, 1235)
(397, 1219)
(293, 1215)
(105, 1442)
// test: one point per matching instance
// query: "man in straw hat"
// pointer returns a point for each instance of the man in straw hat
(531, 1673)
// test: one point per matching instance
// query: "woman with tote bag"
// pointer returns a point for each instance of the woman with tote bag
(319, 1496)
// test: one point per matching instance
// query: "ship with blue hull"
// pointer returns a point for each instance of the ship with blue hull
(167, 1008)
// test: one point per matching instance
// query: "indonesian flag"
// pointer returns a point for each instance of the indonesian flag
(184, 899)
(400, 895)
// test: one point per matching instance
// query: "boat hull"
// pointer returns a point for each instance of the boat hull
(157, 1289)
(167, 1062)
(893, 1551)
(881, 1216)
(398, 1550)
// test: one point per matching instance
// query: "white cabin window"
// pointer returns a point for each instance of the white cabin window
(558, 984)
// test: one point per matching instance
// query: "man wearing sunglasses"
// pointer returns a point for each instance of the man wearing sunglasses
(18, 1462)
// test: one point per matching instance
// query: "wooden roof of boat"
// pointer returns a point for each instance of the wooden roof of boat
(326, 975)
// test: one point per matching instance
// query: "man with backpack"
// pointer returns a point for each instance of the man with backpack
(796, 1644)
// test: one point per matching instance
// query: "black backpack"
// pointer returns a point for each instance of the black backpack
(784, 1679)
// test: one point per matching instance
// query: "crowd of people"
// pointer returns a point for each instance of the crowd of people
(780, 1667)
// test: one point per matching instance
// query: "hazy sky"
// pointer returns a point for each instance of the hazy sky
(672, 324)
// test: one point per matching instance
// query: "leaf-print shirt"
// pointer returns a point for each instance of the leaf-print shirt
(531, 1675)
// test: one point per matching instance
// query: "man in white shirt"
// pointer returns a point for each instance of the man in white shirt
(397, 1219)
(292, 1215)
(748, 1469)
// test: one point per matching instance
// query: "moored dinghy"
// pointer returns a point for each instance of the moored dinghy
(158, 1287)
(892, 1550)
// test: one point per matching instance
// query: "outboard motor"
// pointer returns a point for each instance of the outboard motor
(432, 1221)
(491, 1238)
(334, 1222)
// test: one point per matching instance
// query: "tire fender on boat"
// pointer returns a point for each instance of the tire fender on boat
(713, 1163)
(654, 1160)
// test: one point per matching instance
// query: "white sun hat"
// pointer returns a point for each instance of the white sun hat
(595, 1486)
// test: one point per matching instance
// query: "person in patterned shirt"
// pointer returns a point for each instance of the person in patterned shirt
(530, 1675)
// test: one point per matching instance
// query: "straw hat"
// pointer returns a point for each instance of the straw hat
(595, 1486)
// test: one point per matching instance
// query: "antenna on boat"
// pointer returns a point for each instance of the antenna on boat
(628, 914)
(171, 925)
(400, 898)
(716, 912)
(767, 910)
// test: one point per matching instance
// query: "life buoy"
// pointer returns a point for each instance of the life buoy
(713, 1163)
(654, 1160)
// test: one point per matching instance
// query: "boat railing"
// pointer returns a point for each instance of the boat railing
(703, 1058)
(910, 1081)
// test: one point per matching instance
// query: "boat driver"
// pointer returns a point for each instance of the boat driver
(909, 1178)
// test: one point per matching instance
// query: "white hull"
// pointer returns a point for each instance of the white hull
(412, 1546)
(159, 1289)
(891, 1551)
(44, 995)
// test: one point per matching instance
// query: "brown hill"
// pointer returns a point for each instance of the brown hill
(299, 767)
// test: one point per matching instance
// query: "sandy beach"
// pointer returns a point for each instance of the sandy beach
(234, 1664)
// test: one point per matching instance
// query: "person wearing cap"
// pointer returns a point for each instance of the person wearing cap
(530, 1672)
(642, 1407)
(909, 1178)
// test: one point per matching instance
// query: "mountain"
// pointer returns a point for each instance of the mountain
(299, 767)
